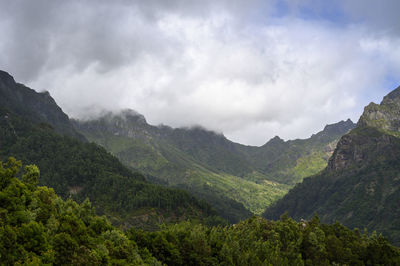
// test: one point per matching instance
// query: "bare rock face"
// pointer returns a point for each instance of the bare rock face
(361, 184)
(385, 116)
(355, 149)
(343, 155)
(367, 140)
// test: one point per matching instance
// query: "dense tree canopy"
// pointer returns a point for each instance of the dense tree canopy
(38, 227)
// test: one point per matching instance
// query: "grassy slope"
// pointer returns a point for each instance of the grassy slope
(290, 161)
(172, 166)
(209, 165)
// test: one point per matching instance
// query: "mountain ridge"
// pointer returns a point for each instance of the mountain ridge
(34, 129)
(39, 107)
(201, 160)
(360, 187)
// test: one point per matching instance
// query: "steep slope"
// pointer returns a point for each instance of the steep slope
(207, 164)
(148, 149)
(290, 161)
(36, 107)
(361, 185)
(79, 169)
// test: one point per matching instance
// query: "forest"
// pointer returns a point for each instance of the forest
(38, 227)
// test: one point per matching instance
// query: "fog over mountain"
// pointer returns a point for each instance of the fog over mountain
(250, 69)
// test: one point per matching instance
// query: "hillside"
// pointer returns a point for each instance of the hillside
(361, 185)
(290, 161)
(35, 107)
(81, 170)
(39, 228)
(210, 166)
(148, 149)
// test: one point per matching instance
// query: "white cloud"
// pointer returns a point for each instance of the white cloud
(215, 67)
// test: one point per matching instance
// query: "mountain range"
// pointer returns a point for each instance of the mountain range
(37, 227)
(347, 173)
(360, 187)
(228, 175)
(34, 129)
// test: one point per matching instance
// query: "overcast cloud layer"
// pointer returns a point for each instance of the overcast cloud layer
(249, 69)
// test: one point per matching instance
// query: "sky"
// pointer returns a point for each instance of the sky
(249, 69)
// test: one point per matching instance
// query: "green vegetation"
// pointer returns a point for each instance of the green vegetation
(35, 107)
(288, 162)
(309, 165)
(35, 129)
(260, 242)
(85, 170)
(38, 227)
(178, 170)
(360, 188)
(361, 185)
(225, 174)
(166, 164)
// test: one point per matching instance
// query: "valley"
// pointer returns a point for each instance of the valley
(207, 164)
(157, 183)
(199, 133)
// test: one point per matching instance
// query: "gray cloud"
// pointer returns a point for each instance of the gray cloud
(232, 66)
(382, 15)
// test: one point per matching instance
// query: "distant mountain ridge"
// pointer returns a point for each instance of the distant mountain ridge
(208, 164)
(237, 180)
(361, 185)
(290, 161)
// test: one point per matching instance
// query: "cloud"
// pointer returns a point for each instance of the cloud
(231, 66)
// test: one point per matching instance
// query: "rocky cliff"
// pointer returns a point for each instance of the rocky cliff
(361, 185)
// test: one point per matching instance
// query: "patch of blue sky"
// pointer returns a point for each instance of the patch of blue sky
(329, 11)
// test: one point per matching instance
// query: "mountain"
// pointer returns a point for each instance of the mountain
(360, 187)
(34, 129)
(226, 174)
(152, 150)
(290, 161)
(36, 107)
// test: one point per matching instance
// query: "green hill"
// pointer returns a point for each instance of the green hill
(224, 173)
(290, 161)
(78, 169)
(361, 185)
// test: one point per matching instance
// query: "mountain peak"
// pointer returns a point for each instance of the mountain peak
(133, 115)
(276, 139)
(38, 107)
(5, 76)
(341, 127)
(384, 116)
(392, 96)
(333, 131)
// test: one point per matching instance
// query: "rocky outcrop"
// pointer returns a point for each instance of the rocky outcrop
(34, 106)
(385, 116)
(127, 123)
(358, 148)
(360, 186)
(373, 134)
